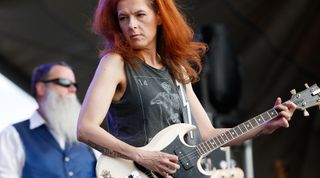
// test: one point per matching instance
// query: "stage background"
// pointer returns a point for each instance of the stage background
(277, 44)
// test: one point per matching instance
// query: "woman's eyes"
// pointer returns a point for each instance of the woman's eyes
(121, 18)
(139, 15)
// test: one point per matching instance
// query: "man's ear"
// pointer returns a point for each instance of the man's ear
(40, 89)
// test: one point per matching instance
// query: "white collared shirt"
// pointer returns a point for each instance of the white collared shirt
(12, 155)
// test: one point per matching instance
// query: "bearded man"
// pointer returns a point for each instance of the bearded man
(46, 144)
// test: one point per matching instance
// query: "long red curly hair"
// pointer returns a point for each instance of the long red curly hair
(179, 53)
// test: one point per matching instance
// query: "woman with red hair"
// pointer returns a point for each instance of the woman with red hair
(149, 48)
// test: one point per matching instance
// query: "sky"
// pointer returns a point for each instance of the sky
(15, 104)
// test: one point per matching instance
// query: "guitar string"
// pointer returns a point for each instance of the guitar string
(194, 154)
(191, 152)
(148, 173)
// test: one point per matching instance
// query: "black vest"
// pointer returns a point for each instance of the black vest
(45, 158)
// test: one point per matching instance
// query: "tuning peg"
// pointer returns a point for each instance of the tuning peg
(306, 85)
(293, 91)
(305, 113)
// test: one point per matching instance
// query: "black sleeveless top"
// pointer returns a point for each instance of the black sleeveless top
(151, 102)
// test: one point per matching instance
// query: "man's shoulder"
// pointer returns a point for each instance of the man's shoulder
(13, 129)
(8, 132)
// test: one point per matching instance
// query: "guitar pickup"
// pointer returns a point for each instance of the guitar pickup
(183, 159)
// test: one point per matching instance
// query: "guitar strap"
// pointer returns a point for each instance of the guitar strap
(193, 137)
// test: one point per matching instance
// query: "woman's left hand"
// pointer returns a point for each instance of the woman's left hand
(285, 111)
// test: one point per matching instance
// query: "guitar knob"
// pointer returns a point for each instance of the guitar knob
(306, 85)
(293, 92)
(305, 113)
(223, 164)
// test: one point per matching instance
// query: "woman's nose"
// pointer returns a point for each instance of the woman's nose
(132, 23)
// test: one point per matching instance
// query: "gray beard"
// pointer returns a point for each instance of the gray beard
(61, 114)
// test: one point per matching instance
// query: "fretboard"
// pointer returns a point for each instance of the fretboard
(235, 132)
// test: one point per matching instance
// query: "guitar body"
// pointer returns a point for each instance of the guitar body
(169, 140)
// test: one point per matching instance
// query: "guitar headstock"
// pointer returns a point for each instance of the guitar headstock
(307, 98)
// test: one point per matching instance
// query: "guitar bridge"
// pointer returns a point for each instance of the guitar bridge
(134, 174)
(106, 174)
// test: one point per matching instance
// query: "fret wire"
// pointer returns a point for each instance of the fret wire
(248, 125)
(233, 133)
(203, 145)
(198, 150)
(229, 134)
(251, 123)
(269, 115)
(220, 139)
(217, 141)
(265, 116)
(224, 137)
(243, 128)
(211, 147)
(207, 146)
(260, 119)
(210, 144)
(238, 130)
(214, 144)
(255, 123)
(201, 149)
(273, 113)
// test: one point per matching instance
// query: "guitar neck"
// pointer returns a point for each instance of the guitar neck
(208, 146)
(304, 99)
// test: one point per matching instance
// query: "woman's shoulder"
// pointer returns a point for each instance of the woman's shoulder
(111, 66)
(112, 59)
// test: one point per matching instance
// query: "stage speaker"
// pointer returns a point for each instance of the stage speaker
(223, 76)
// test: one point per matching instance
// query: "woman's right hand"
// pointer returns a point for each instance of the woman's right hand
(160, 162)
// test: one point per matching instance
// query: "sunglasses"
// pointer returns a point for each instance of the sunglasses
(62, 82)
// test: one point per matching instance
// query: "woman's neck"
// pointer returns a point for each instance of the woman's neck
(152, 59)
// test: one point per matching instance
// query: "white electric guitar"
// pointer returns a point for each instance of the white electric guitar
(171, 140)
